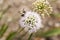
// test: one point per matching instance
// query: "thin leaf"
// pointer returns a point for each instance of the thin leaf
(11, 36)
(30, 36)
(52, 32)
(3, 29)
(20, 30)
(57, 15)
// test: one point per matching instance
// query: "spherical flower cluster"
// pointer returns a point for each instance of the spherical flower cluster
(31, 22)
(42, 6)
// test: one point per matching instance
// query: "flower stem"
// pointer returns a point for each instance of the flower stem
(30, 36)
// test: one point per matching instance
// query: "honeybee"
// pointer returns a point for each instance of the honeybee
(22, 12)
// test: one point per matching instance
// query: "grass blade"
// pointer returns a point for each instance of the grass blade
(11, 36)
(3, 29)
(30, 36)
(52, 32)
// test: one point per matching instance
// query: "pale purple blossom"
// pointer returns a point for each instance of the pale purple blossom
(31, 21)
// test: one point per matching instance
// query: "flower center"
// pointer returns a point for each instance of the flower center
(30, 21)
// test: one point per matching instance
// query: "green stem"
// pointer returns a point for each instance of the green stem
(3, 29)
(19, 30)
(30, 36)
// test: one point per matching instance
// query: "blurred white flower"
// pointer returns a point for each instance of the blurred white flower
(31, 21)
(42, 6)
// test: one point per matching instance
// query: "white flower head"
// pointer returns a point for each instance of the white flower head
(42, 6)
(31, 21)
